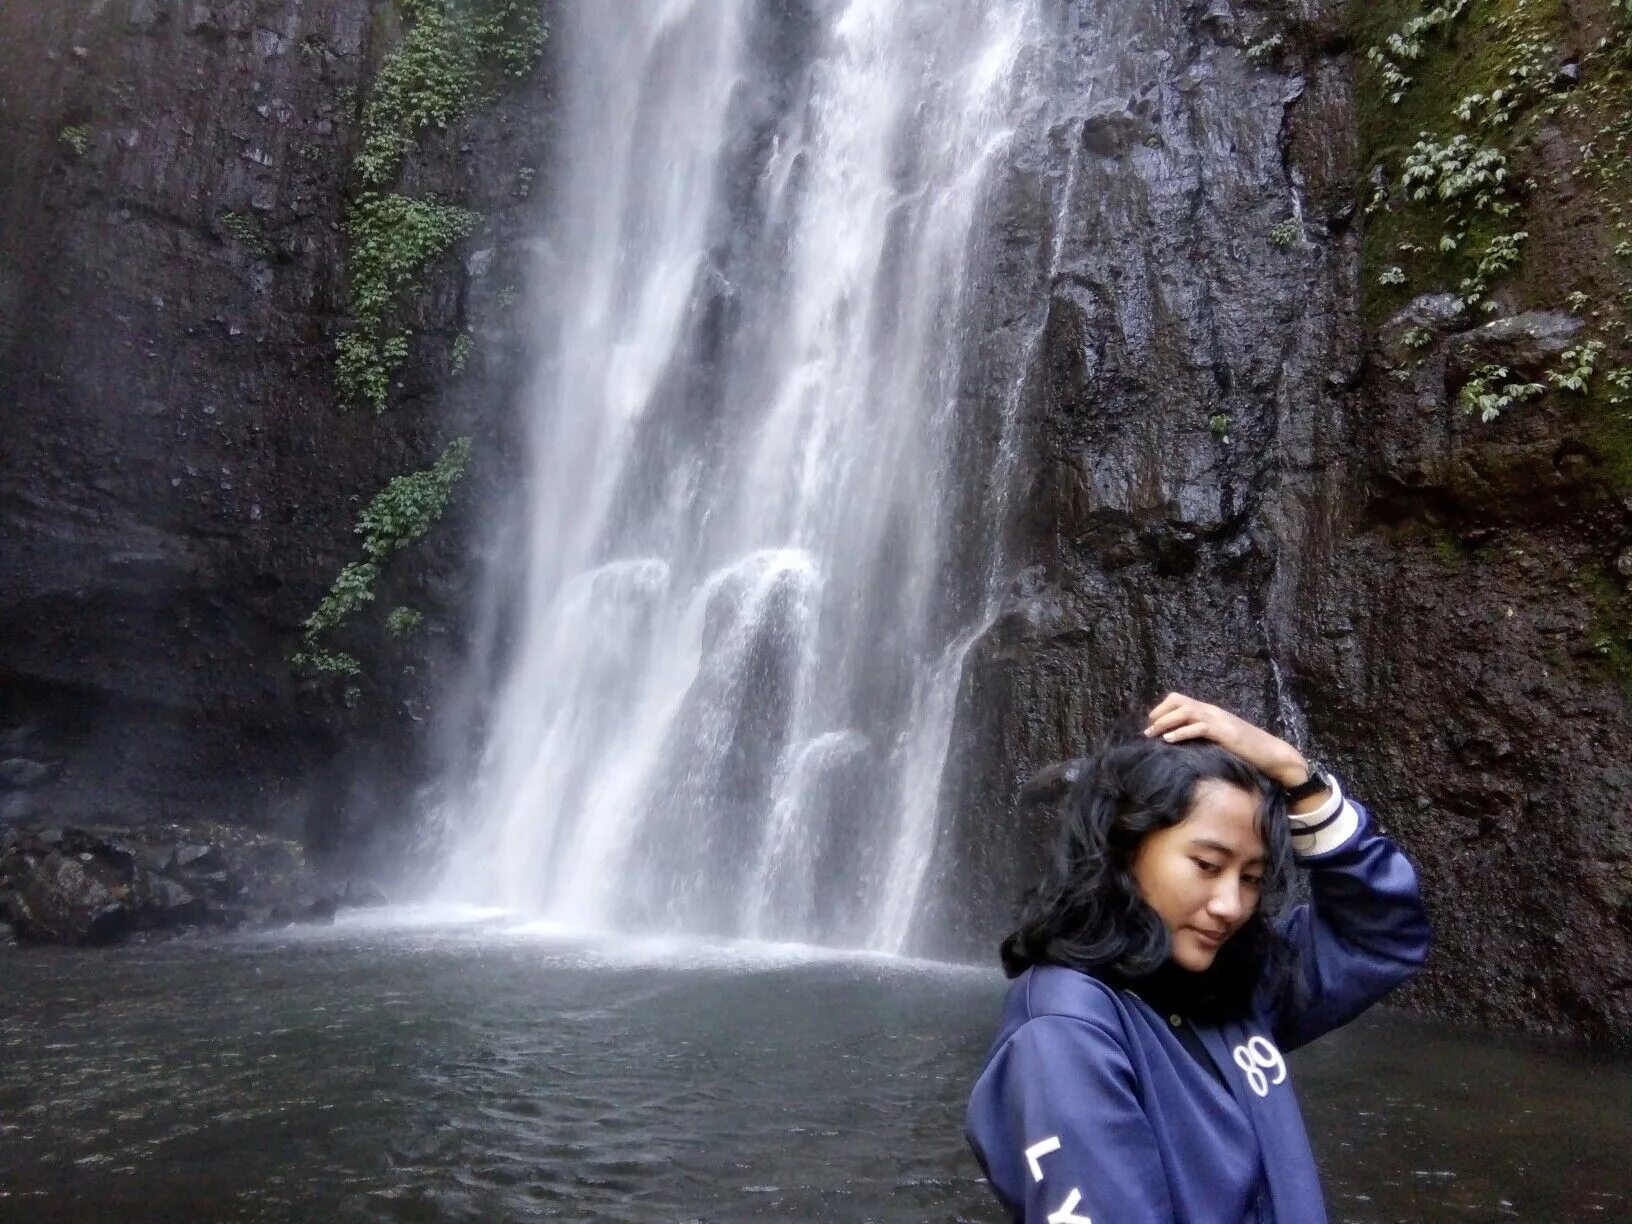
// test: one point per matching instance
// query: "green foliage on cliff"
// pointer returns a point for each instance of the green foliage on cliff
(393, 238)
(1436, 103)
(76, 138)
(1491, 391)
(1611, 640)
(246, 230)
(1479, 117)
(451, 61)
(1497, 136)
(448, 64)
(411, 505)
(404, 622)
(1407, 45)
(402, 512)
(464, 344)
(363, 365)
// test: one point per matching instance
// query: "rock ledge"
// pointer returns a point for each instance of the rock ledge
(98, 885)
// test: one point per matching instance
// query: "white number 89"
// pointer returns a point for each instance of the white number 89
(1255, 1057)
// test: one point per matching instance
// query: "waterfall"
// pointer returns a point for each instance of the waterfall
(749, 566)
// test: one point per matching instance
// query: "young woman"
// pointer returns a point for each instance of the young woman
(1138, 1074)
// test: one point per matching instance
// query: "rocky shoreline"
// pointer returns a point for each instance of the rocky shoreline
(85, 885)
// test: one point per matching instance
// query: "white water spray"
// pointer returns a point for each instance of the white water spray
(735, 667)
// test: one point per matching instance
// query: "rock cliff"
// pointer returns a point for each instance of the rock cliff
(1261, 469)
(180, 477)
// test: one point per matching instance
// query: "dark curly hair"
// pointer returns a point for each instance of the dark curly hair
(1087, 913)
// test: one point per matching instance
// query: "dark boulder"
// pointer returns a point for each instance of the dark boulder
(363, 893)
(320, 912)
(69, 899)
(163, 902)
(19, 773)
(193, 858)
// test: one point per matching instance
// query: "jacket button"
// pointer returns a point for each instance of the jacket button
(1175, 1020)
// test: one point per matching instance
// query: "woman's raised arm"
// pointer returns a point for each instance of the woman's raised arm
(1364, 930)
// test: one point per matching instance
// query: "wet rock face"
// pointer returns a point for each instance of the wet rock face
(1188, 331)
(1455, 634)
(1232, 489)
(179, 481)
(172, 434)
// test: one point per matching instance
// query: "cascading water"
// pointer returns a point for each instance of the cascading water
(747, 587)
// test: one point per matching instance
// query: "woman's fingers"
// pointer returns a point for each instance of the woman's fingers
(1185, 718)
(1166, 722)
(1187, 731)
(1175, 710)
(1177, 718)
(1168, 704)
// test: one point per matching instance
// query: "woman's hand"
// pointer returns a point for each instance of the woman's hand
(1178, 718)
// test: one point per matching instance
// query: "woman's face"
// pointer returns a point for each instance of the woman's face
(1203, 874)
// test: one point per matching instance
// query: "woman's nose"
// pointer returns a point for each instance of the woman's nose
(1226, 902)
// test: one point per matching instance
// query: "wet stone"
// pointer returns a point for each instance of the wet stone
(363, 893)
(21, 772)
(193, 856)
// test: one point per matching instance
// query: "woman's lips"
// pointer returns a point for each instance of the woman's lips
(1212, 939)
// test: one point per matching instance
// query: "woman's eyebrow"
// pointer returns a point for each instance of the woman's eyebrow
(1207, 843)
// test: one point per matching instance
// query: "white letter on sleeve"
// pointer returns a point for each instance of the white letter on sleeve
(1066, 1212)
(1036, 1152)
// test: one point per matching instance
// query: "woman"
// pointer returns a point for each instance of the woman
(1138, 1074)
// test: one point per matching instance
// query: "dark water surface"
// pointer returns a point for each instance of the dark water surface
(387, 1072)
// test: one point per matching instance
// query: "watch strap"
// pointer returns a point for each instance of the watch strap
(1316, 782)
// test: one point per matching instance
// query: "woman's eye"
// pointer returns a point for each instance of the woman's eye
(1252, 881)
(1206, 868)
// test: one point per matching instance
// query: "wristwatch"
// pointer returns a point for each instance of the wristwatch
(1316, 782)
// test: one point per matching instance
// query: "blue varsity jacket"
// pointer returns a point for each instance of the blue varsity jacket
(1090, 1109)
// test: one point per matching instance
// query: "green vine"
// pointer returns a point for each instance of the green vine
(451, 61)
(1492, 390)
(464, 344)
(1408, 45)
(453, 58)
(76, 138)
(393, 238)
(1261, 53)
(402, 512)
(246, 230)
(1575, 374)
(404, 622)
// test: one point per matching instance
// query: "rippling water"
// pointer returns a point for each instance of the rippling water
(383, 1070)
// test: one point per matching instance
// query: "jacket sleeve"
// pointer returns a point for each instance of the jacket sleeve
(1364, 930)
(1056, 1122)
